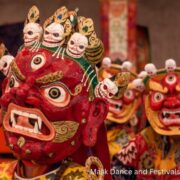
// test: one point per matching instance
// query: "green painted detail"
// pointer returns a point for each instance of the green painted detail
(146, 80)
(32, 15)
(85, 64)
(52, 49)
(177, 70)
(162, 72)
(85, 28)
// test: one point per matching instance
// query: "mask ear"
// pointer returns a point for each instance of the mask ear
(97, 114)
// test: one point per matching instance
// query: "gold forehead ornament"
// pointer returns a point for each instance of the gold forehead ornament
(51, 77)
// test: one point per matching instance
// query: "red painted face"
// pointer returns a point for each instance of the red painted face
(163, 103)
(159, 99)
(47, 107)
(123, 109)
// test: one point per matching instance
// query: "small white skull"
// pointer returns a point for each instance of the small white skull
(170, 64)
(77, 45)
(127, 66)
(106, 62)
(32, 33)
(5, 62)
(53, 35)
(106, 89)
(150, 69)
(138, 84)
(142, 74)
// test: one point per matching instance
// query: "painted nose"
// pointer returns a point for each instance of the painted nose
(172, 102)
(22, 91)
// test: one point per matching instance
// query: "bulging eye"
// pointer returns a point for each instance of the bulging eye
(171, 79)
(54, 93)
(37, 62)
(158, 97)
(12, 83)
(57, 95)
(129, 94)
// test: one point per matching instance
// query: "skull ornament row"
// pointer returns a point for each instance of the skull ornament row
(66, 32)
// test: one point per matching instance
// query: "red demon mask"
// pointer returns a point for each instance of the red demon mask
(49, 106)
(162, 100)
(122, 108)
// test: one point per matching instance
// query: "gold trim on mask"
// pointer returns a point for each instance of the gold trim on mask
(51, 77)
(122, 79)
(17, 71)
(94, 161)
(64, 130)
(155, 86)
(77, 90)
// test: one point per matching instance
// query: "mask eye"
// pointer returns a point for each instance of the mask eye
(30, 32)
(158, 97)
(12, 83)
(57, 95)
(72, 42)
(37, 62)
(56, 34)
(105, 87)
(171, 79)
(129, 94)
(46, 32)
(81, 47)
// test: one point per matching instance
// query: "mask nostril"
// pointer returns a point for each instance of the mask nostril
(28, 105)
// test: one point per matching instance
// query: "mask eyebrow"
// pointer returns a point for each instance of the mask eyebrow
(16, 71)
(155, 86)
(49, 78)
